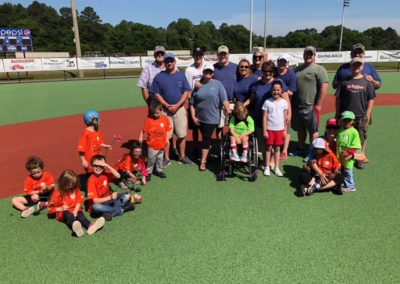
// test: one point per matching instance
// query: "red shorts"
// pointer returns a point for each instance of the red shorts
(275, 138)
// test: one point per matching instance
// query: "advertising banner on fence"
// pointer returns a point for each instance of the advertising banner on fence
(295, 58)
(124, 62)
(146, 60)
(87, 63)
(1, 66)
(22, 65)
(53, 64)
(389, 55)
(331, 57)
(369, 56)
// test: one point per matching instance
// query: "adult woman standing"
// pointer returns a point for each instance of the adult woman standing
(245, 80)
(205, 107)
(258, 60)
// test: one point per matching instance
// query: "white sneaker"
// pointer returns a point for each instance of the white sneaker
(28, 212)
(243, 159)
(267, 171)
(96, 225)
(77, 229)
(278, 172)
(235, 157)
(123, 185)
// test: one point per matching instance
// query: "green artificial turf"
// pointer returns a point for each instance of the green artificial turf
(35, 101)
(193, 229)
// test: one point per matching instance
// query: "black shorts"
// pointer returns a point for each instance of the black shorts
(305, 118)
(42, 197)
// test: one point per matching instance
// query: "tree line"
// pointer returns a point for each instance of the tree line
(52, 31)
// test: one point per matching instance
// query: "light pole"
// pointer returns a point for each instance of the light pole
(265, 25)
(76, 34)
(251, 27)
(346, 3)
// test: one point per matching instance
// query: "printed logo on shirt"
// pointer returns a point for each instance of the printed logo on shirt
(355, 87)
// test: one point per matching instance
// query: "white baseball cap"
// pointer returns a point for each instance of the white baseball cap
(318, 143)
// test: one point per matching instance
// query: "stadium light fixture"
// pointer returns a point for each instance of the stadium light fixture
(76, 33)
(346, 3)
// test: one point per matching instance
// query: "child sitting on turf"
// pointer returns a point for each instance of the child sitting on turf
(37, 188)
(274, 125)
(348, 143)
(66, 205)
(324, 170)
(132, 167)
(241, 125)
(101, 199)
(156, 127)
(91, 140)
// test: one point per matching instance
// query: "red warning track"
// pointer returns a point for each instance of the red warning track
(55, 141)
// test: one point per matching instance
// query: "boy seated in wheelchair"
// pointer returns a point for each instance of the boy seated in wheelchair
(241, 125)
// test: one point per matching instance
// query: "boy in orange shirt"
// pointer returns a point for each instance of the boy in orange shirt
(66, 205)
(102, 200)
(91, 140)
(37, 188)
(156, 128)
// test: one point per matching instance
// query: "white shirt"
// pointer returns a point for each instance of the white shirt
(276, 113)
(194, 74)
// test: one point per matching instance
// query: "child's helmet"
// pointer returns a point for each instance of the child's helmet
(89, 116)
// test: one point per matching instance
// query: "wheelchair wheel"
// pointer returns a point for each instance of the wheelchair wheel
(253, 159)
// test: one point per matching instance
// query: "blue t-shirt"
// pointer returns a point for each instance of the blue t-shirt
(261, 92)
(170, 86)
(289, 78)
(227, 76)
(345, 72)
(208, 101)
(242, 88)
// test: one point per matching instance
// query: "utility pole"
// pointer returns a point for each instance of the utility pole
(346, 3)
(76, 34)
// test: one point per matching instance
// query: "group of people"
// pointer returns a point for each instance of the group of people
(251, 98)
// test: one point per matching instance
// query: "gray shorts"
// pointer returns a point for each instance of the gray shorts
(305, 118)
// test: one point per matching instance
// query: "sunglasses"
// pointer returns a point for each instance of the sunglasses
(331, 127)
(98, 167)
(258, 57)
(160, 54)
(244, 66)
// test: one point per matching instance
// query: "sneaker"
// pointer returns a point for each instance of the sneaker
(129, 207)
(185, 161)
(148, 178)
(312, 189)
(283, 157)
(359, 165)
(166, 163)
(348, 189)
(234, 157)
(267, 171)
(303, 190)
(122, 185)
(77, 229)
(175, 154)
(244, 159)
(278, 172)
(28, 212)
(160, 174)
(107, 216)
(96, 225)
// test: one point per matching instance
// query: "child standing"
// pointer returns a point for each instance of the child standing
(156, 128)
(132, 167)
(100, 197)
(91, 140)
(241, 125)
(274, 125)
(347, 142)
(37, 188)
(66, 205)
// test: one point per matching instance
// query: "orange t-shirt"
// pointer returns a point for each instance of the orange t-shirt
(328, 163)
(127, 163)
(90, 143)
(70, 199)
(157, 131)
(32, 184)
(98, 187)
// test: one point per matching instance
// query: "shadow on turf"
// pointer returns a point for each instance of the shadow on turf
(292, 173)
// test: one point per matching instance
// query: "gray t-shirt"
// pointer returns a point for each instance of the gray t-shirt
(309, 81)
(208, 101)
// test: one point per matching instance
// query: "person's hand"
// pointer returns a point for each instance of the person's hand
(114, 195)
(369, 78)
(127, 196)
(197, 84)
(196, 121)
(108, 147)
(317, 108)
(132, 179)
(324, 179)
(346, 156)
(144, 182)
(75, 214)
(85, 164)
(172, 108)
(266, 135)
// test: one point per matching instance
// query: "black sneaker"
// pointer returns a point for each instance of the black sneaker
(185, 161)
(359, 165)
(313, 188)
(166, 163)
(129, 207)
(160, 174)
(107, 216)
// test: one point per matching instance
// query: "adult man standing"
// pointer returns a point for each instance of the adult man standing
(150, 71)
(312, 87)
(171, 89)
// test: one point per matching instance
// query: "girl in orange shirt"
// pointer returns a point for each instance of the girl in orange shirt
(66, 205)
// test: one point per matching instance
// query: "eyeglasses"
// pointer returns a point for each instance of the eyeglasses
(244, 66)
(260, 57)
(160, 54)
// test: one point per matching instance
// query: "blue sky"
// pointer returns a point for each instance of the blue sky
(283, 16)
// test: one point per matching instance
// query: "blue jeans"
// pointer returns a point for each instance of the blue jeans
(348, 178)
(112, 206)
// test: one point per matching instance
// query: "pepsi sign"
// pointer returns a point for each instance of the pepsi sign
(15, 39)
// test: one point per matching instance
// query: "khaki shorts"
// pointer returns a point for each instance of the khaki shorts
(223, 121)
(361, 124)
(179, 122)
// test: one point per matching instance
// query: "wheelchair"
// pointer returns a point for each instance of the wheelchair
(229, 168)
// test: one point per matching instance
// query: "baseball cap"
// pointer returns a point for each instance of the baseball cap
(310, 48)
(209, 67)
(198, 50)
(348, 115)
(319, 143)
(169, 55)
(332, 122)
(284, 56)
(357, 60)
(159, 48)
(358, 46)
(223, 48)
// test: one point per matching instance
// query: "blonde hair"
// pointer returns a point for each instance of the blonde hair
(240, 111)
(68, 182)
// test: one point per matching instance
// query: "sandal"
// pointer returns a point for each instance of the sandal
(202, 167)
